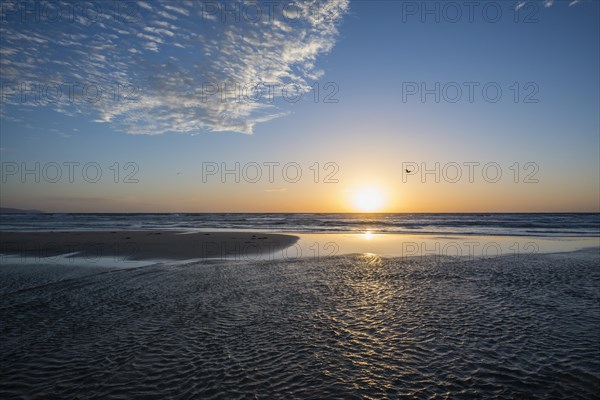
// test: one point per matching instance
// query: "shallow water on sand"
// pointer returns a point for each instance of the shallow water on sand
(347, 327)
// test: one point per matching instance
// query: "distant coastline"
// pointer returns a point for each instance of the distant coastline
(5, 210)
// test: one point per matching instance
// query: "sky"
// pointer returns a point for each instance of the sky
(305, 106)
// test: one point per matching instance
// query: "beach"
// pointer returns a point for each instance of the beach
(316, 199)
(231, 313)
(351, 326)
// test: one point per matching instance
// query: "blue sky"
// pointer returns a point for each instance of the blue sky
(364, 54)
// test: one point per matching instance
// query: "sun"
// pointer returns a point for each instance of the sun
(368, 200)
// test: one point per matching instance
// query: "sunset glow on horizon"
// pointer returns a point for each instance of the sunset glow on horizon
(184, 110)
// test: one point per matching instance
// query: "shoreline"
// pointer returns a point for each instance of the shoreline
(177, 245)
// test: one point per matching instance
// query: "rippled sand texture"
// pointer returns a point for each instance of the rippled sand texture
(345, 327)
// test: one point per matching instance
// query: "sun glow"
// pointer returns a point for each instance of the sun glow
(368, 200)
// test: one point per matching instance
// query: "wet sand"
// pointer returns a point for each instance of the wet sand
(357, 326)
(143, 245)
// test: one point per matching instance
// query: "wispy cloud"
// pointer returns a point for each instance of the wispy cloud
(548, 3)
(171, 66)
(545, 3)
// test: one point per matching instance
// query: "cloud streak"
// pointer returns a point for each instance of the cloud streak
(546, 3)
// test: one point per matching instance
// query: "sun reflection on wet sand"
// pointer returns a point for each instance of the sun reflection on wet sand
(403, 245)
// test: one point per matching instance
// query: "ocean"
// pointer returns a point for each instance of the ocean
(523, 224)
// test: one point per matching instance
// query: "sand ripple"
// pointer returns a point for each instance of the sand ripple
(346, 327)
